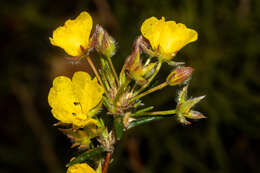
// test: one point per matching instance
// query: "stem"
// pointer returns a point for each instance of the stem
(132, 90)
(121, 90)
(151, 78)
(148, 61)
(169, 112)
(106, 164)
(94, 69)
(104, 79)
(113, 69)
(108, 73)
(158, 87)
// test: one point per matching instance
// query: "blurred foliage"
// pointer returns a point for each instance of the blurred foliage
(225, 59)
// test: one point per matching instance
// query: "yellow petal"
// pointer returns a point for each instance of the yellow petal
(71, 101)
(81, 122)
(88, 91)
(80, 168)
(176, 36)
(168, 36)
(61, 98)
(151, 30)
(74, 34)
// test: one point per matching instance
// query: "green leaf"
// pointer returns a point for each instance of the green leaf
(119, 127)
(187, 105)
(137, 103)
(144, 120)
(93, 155)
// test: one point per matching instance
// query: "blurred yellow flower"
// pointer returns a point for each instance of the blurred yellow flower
(80, 168)
(73, 35)
(75, 101)
(167, 38)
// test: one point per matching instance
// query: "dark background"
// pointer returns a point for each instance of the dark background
(226, 62)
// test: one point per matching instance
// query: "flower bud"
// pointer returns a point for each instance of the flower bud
(134, 65)
(179, 75)
(104, 43)
(195, 115)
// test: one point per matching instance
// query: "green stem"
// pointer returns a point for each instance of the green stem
(158, 87)
(121, 90)
(148, 61)
(132, 90)
(113, 69)
(104, 79)
(151, 78)
(108, 73)
(169, 112)
(122, 73)
(95, 71)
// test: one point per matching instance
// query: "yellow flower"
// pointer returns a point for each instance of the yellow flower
(167, 38)
(73, 35)
(75, 101)
(80, 168)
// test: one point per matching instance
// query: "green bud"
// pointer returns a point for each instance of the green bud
(104, 43)
(134, 66)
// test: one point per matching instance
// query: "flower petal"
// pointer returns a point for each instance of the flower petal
(168, 36)
(74, 34)
(80, 168)
(88, 91)
(71, 101)
(151, 30)
(61, 98)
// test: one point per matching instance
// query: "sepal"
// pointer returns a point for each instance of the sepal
(184, 105)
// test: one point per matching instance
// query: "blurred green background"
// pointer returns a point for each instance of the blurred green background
(226, 62)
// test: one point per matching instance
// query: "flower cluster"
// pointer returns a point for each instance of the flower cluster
(76, 103)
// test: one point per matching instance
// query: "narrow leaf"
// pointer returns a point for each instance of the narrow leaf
(119, 127)
(88, 155)
(144, 120)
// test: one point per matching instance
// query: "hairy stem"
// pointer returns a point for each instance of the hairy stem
(113, 69)
(158, 87)
(95, 71)
(151, 78)
(169, 112)
(106, 164)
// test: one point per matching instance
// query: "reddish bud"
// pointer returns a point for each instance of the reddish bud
(179, 75)
(134, 66)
